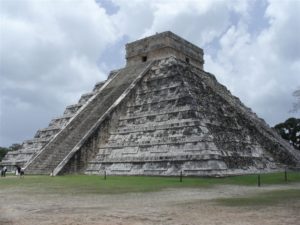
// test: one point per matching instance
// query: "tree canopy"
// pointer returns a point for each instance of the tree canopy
(4, 150)
(290, 131)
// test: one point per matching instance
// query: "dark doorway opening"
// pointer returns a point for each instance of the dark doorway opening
(144, 58)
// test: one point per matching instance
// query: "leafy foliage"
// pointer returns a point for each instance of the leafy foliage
(290, 131)
(15, 147)
(3, 152)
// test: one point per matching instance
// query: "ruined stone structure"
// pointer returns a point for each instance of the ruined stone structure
(159, 115)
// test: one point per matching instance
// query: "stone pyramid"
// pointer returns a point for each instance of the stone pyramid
(159, 115)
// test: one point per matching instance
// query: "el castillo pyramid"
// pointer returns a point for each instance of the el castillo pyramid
(159, 115)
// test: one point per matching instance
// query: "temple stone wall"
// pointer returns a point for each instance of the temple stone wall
(161, 46)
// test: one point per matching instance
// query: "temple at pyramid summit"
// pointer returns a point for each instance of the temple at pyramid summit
(161, 114)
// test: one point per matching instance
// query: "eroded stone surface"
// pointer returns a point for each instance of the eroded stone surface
(159, 117)
(175, 120)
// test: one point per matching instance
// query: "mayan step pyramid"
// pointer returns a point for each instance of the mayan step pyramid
(161, 114)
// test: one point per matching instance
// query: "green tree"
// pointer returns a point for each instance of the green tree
(15, 147)
(290, 131)
(3, 152)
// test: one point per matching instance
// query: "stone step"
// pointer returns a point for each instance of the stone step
(26, 151)
(50, 128)
(158, 89)
(171, 158)
(98, 86)
(47, 132)
(161, 112)
(61, 121)
(165, 141)
(85, 97)
(37, 140)
(137, 153)
(170, 99)
(168, 127)
(72, 109)
(160, 76)
(156, 124)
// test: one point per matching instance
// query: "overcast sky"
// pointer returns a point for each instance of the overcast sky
(51, 52)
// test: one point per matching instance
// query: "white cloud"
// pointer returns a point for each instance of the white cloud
(49, 52)
(198, 21)
(264, 69)
(133, 17)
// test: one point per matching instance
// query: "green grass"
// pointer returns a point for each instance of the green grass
(83, 184)
(263, 199)
(266, 179)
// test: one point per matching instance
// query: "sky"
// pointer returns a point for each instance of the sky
(53, 51)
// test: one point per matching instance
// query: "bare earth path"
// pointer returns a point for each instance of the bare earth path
(170, 206)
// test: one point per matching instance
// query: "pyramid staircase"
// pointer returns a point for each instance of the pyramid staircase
(69, 139)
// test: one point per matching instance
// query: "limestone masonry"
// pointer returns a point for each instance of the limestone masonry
(159, 115)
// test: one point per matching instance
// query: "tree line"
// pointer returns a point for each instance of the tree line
(4, 150)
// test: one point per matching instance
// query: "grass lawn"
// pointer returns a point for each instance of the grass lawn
(83, 184)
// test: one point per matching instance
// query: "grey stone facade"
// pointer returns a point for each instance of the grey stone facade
(164, 45)
(160, 115)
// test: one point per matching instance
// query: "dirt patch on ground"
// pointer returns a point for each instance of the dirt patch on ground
(170, 206)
